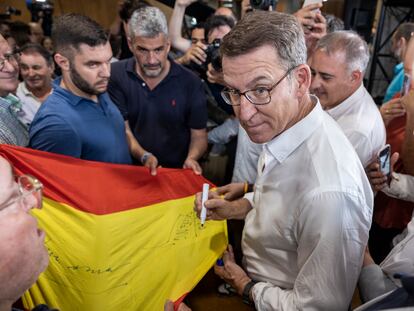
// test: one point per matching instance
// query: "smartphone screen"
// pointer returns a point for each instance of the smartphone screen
(406, 85)
(384, 157)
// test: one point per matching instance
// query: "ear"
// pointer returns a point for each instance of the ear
(62, 61)
(356, 77)
(130, 44)
(168, 45)
(302, 76)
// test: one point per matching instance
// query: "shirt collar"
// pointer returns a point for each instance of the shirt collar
(25, 90)
(73, 99)
(347, 104)
(284, 144)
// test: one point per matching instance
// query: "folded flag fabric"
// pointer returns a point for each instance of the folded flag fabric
(118, 238)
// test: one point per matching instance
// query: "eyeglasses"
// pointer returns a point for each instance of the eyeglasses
(257, 96)
(29, 188)
(12, 57)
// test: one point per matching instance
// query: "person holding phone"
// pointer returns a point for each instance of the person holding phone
(338, 66)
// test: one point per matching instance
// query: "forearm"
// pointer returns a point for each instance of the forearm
(198, 144)
(373, 283)
(401, 187)
(135, 148)
(175, 25)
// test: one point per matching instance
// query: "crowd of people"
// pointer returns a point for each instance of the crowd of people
(318, 214)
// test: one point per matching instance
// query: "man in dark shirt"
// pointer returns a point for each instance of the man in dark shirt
(79, 119)
(163, 103)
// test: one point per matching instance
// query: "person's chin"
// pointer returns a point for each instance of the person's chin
(153, 72)
(257, 133)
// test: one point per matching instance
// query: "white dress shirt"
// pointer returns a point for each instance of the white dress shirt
(361, 121)
(30, 103)
(304, 238)
(247, 155)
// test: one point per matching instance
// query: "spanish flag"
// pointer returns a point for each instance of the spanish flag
(118, 238)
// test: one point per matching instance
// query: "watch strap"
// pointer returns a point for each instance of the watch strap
(246, 293)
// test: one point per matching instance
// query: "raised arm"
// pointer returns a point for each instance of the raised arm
(175, 25)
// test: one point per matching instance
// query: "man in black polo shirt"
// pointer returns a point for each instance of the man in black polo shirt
(163, 103)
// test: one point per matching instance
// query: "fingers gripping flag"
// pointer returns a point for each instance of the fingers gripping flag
(118, 238)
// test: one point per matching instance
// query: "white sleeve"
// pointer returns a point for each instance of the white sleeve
(331, 233)
(402, 187)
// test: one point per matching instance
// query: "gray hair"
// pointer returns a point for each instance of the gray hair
(147, 22)
(261, 28)
(351, 44)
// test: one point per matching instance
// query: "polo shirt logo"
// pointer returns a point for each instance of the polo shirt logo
(173, 103)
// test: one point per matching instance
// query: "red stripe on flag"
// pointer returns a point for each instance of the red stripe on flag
(101, 188)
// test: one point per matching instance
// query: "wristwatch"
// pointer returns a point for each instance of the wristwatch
(246, 293)
(145, 157)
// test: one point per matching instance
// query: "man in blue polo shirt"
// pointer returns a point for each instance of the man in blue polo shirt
(79, 119)
(163, 103)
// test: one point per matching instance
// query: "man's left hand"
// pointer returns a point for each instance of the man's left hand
(231, 272)
(193, 164)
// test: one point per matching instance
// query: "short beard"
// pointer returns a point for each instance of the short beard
(81, 83)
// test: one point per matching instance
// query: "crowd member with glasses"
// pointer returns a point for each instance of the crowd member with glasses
(12, 130)
(23, 253)
(307, 222)
(79, 119)
(162, 102)
(337, 66)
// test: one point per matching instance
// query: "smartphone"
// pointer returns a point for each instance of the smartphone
(406, 85)
(384, 159)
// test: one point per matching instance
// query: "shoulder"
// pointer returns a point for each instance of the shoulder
(121, 66)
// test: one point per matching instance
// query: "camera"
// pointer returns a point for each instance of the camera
(9, 12)
(213, 56)
(263, 4)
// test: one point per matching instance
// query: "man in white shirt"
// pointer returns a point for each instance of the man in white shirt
(307, 224)
(36, 69)
(337, 66)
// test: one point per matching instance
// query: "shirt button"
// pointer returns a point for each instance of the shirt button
(143, 84)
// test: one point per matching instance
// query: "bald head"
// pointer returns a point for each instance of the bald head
(225, 12)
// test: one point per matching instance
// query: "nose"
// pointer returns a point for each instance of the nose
(10, 66)
(152, 57)
(30, 201)
(31, 72)
(246, 110)
(106, 70)
(315, 83)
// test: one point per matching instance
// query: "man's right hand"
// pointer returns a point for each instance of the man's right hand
(195, 54)
(217, 207)
(391, 110)
(152, 164)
